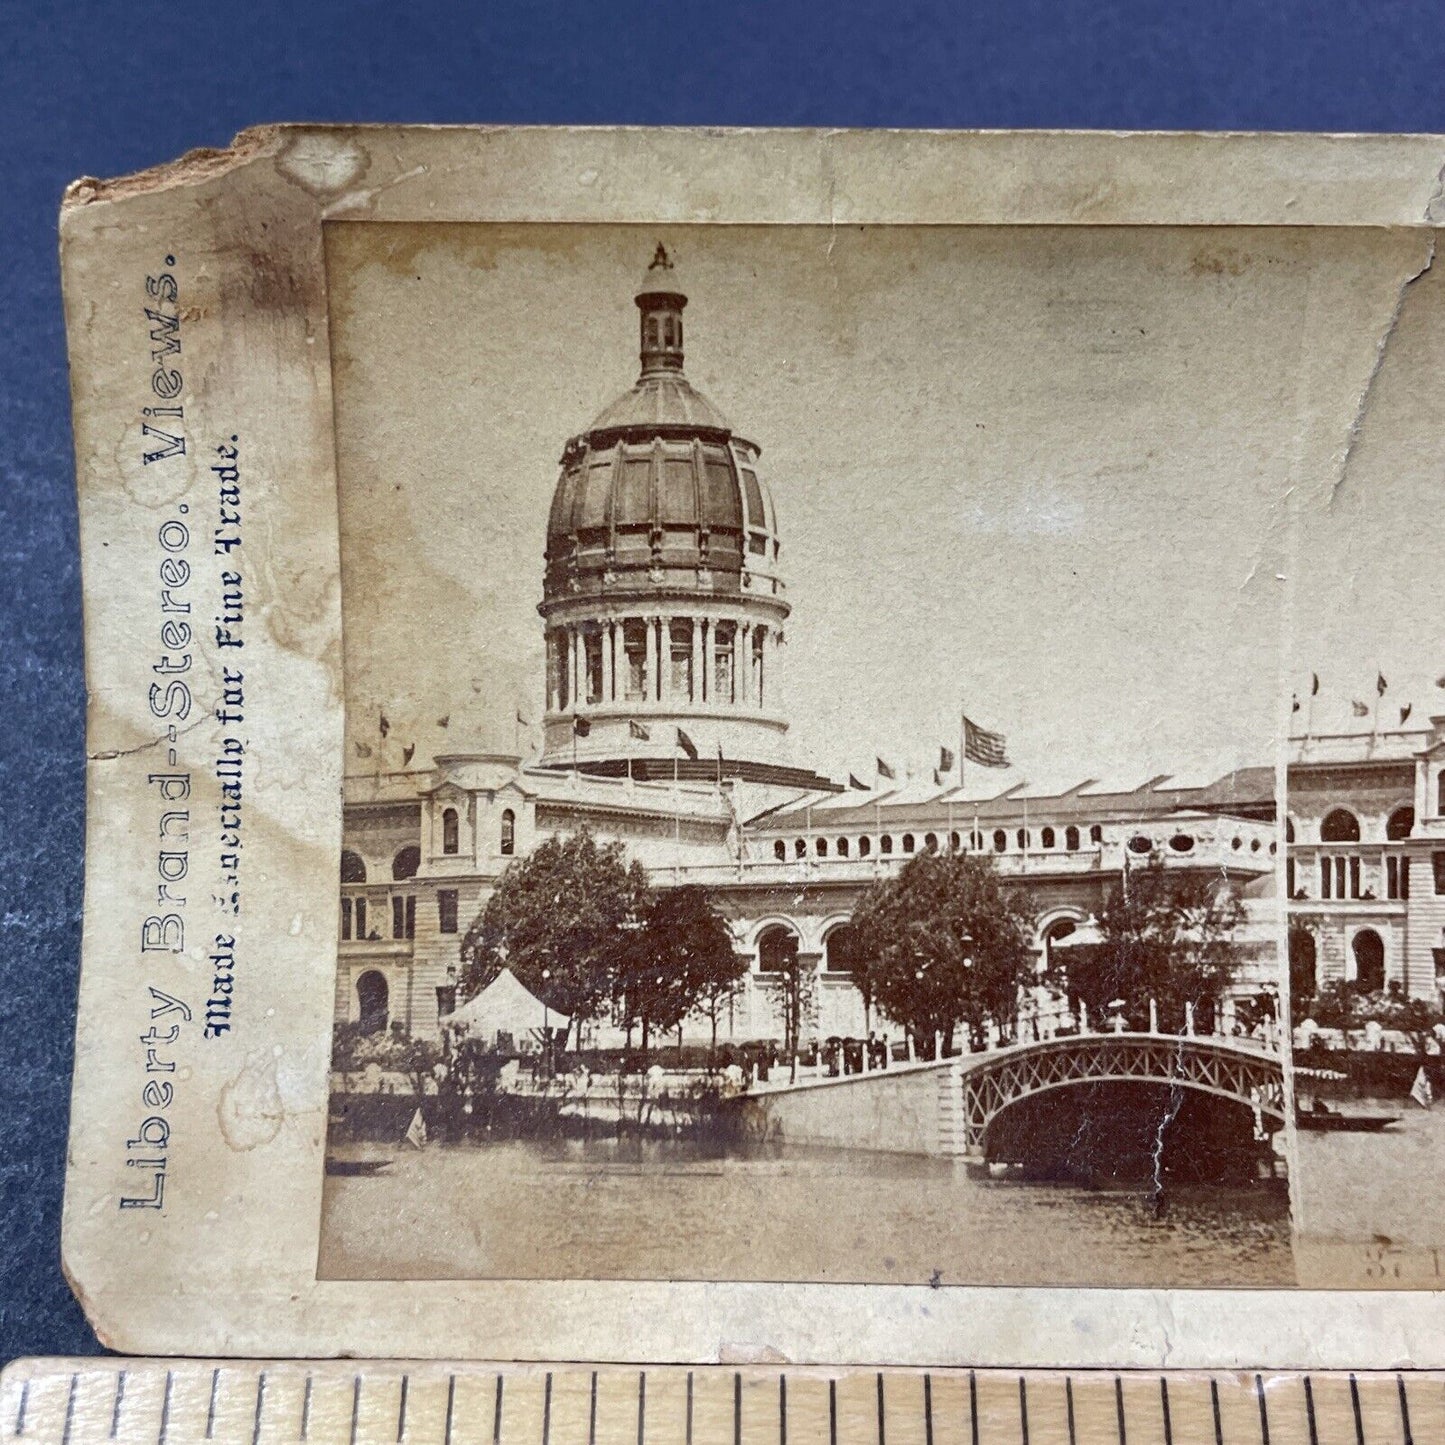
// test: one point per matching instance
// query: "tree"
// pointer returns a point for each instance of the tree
(679, 961)
(1168, 938)
(943, 944)
(559, 919)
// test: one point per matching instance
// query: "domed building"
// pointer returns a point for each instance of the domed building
(663, 597)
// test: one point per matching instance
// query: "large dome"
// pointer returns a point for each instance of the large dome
(660, 492)
(663, 604)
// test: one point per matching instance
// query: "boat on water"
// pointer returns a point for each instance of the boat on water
(356, 1166)
(1332, 1123)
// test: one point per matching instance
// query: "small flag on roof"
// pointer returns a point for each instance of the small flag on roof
(687, 744)
(581, 726)
(884, 771)
(853, 782)
(638, 730)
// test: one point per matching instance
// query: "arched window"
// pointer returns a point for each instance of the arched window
(1071, 839)
(1369, 955)
(1184, 843)
(372, 1002)
(908, 842)
(406, 862)
(1140, 844)
(780, 851)
(885, 844)
(821, 847)
(1400, 823)
(1046, 838)
(800, 847)
(865, 847)
(955, 842)
(1059, 928)
(1440, 794)
(450, 831)
(840, 949)
(1000, 840)
(1340, 826)
(842, 847)
(777, 949)
(509, 832)
(353, 868)
(1096, 834)
(930, 842)
(1023, 838)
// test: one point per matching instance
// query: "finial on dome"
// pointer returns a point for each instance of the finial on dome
(661, 304)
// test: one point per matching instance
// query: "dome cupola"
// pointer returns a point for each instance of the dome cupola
(662, 595)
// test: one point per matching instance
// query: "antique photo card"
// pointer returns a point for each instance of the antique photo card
(718, 731)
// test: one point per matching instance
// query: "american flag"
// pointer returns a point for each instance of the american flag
(988, 750)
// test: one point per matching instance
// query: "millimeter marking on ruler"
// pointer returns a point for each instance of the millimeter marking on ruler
(171, 1402)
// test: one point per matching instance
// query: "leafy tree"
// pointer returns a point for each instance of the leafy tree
(680, 961)
(1168, 937)
(793, 986)
(353, 1050)
(943, 944)
(559, 919)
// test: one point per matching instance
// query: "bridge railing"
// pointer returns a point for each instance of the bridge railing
(846, 1058)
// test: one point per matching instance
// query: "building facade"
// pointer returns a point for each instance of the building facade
(663, 606)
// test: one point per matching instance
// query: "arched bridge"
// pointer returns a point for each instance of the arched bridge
(946, 1107)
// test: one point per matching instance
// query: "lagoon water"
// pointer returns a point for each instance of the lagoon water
(666, 1211)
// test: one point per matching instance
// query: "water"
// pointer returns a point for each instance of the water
(594, 1210)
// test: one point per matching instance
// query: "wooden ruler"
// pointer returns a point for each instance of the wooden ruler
(341, 1402)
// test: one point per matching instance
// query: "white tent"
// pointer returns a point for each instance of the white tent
(505, 1006)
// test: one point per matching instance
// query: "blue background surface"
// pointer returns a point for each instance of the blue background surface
(102, 89)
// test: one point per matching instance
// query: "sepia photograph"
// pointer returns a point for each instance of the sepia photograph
(816, 819)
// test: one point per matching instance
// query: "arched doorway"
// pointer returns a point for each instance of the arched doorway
(406, 862)
(372, 1001)
(353, 867)
(1369, 953)
(1054, 933)
(1303, 977)
(840, 949)
(1400, 824)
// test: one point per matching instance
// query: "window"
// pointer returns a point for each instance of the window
(955, 842)
(634, 645)
(800, 847)
(406, 862)
(759, 638)
(1000, 840)
(840, 949)
(403, 915)
(446, 910)
(449, 831)
(360, 906)
(669, 331)
(821, 847)
(1140, 844)
(1184, 843)
(1400, 824)
(1289, 879)
(353, 870)
(930, 842)
(1339, 877)
(592, 653)
(885, 844)
(372, 1003)
(777, 949)
(842, 849)
(509, 832)
(1046, 838)
(1440, 793)
(345, 918)
(1096, 834)
(1397, 878)
(1340, 826)
(680, 680)
(1071, 839)
(1023, 838)
(908, 842)
(780, 851)
(723, 640)
(865, 847)
(556, 672)
(975, 841)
